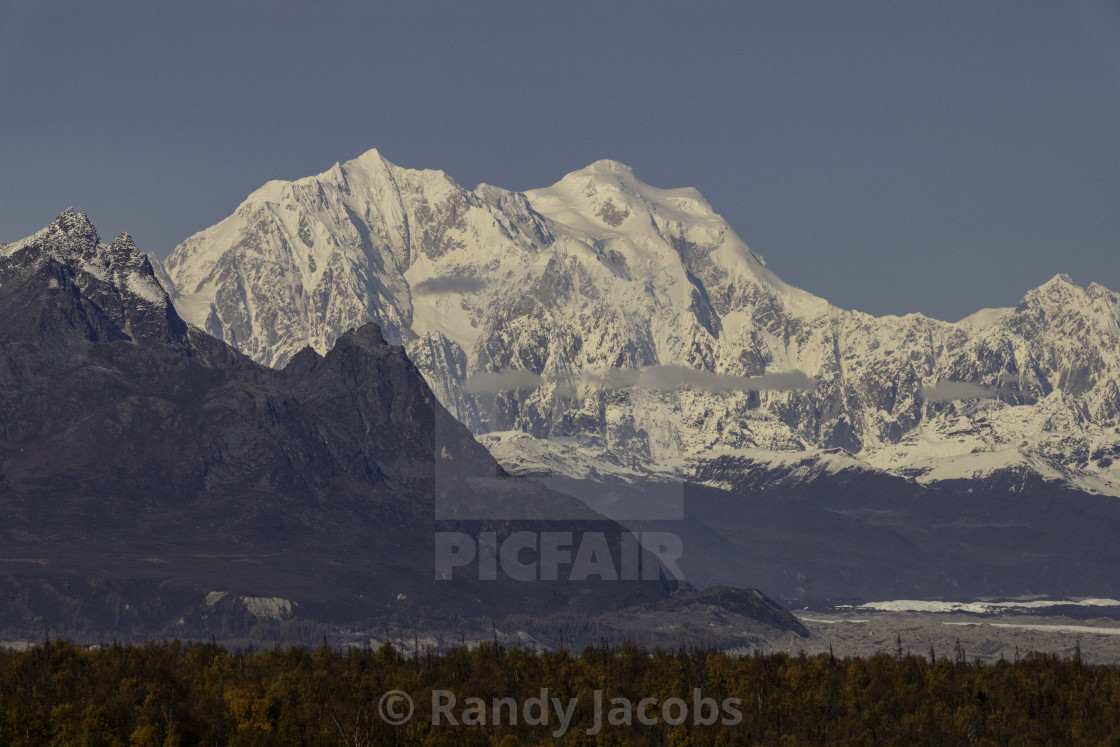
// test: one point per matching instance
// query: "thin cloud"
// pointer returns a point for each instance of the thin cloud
(668, 378)
(448, 284)
(947, 391)
(650, 378)
(492, 382)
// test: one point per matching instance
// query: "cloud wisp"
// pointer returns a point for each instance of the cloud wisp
(508, 379)
(447, 284)
(651, 378)
(949, 391)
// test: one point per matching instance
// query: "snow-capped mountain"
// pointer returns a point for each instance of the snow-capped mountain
(602, 325)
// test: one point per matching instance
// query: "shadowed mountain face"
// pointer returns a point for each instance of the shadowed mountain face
(155, 481)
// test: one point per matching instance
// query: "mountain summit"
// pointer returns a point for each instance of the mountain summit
(601, 325)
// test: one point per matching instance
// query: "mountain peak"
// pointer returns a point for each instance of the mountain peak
(373, 154)
(1059, 286)
(1060, 279)
(370, 161)
(71, 218)
(71, 235)
(607, 171)
(116, 293)
(125, 241)
(609, 166)
(1057, 293)
(75, 225)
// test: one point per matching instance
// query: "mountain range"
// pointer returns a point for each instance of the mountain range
(261, 436)
(604, 328)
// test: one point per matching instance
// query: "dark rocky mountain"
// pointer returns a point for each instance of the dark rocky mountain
(154, 481)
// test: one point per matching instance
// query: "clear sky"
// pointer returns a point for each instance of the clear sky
(889, 156)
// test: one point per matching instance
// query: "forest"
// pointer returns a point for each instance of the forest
(174, 693)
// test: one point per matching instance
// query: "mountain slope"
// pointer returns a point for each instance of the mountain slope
(628, 330)
(154, 481)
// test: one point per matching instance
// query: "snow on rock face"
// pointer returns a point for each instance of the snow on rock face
(570, 291)
(267, 608)
(119, 279)
(981, 607)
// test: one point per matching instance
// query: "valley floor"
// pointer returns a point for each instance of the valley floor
(986, 638)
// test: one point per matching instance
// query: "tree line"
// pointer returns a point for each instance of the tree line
(172, 693)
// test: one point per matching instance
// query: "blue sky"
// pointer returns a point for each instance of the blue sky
(889, 156)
